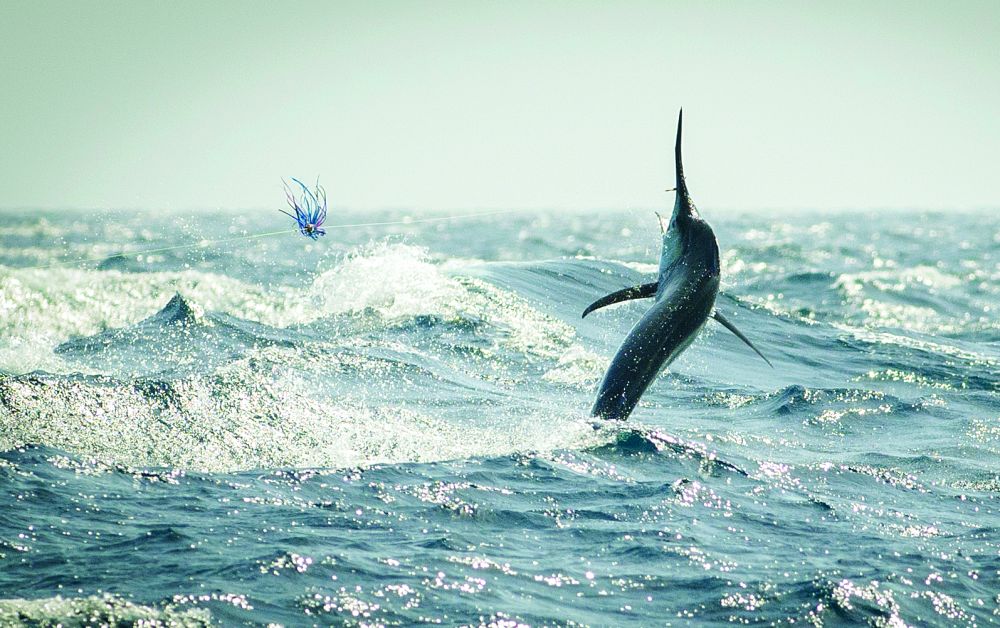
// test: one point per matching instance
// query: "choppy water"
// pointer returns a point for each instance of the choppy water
(390, 427)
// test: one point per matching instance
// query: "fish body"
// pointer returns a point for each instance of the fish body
(684, 299)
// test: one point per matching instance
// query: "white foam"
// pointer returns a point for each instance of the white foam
(259, 412)
(262, 411)
(104, 610)
(39, 309)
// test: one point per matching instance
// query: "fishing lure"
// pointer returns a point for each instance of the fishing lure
(310, 209)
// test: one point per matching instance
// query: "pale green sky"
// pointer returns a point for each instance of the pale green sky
(470, 105)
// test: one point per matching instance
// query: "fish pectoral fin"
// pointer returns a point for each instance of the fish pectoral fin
(644, 291)
(725, 323)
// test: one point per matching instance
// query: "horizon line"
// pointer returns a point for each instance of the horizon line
(539, 209)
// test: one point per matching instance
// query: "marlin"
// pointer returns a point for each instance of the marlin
(684, 299)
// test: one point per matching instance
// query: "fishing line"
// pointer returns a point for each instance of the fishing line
(252, 236)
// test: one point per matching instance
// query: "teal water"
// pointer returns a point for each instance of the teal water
(389, 426)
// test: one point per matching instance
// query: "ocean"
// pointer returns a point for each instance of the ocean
(389, 426)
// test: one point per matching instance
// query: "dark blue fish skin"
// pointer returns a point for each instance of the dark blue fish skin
(685, 298)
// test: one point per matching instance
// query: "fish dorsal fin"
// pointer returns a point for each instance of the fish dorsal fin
(644, 291)
(725, 323)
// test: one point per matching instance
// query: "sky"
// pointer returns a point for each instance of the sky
(493, 105)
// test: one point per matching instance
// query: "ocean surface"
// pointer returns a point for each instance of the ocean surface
(390, 426)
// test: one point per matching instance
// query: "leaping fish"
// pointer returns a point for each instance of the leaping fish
(684, 294)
